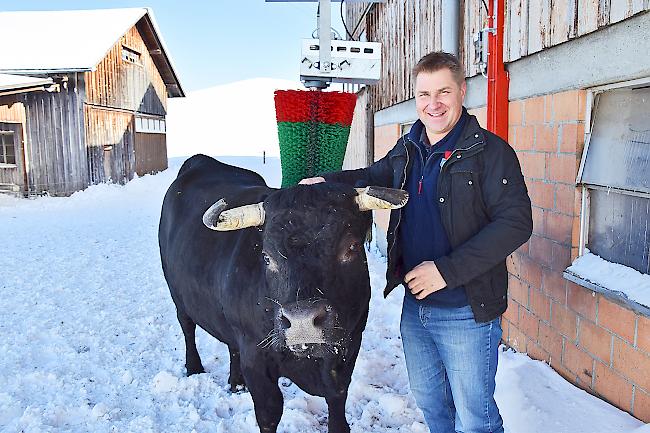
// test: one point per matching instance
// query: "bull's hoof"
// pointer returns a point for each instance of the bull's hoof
(237, 388)
(191, 370)
(237, 383)
(344, 428)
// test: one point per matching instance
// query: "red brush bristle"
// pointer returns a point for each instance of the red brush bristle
(336, 107)
(323, 107)
(292, 105)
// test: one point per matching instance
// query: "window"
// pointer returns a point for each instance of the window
(8, 144)
(150, 125)
(131, 55)
(615, 174)
(405, 128)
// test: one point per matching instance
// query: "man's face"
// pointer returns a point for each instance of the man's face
(439, 102)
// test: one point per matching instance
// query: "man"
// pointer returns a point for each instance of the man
(468, 209)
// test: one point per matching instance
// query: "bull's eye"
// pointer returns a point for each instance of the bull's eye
(271, 265)
(295, 242)
(351, 252)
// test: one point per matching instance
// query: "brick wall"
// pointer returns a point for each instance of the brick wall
(591, 341)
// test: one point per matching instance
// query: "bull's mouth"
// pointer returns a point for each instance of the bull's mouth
(316, 350)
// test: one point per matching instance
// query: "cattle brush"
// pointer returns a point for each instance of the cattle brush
(313, 131)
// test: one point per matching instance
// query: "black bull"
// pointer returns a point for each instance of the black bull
(283, 283)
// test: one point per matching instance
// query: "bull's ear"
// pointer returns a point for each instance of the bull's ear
(376, 197)
(217, 218)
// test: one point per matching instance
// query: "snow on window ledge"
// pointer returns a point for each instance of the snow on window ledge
(617, 282)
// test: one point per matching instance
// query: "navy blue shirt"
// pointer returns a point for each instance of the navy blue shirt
(421, 233)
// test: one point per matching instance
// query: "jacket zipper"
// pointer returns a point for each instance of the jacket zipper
(426, 161)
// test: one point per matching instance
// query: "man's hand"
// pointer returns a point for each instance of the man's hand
(424, 279)
(312, 180)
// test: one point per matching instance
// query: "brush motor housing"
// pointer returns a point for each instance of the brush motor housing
(351, 62)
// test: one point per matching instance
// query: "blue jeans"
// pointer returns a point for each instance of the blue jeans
(452, 362)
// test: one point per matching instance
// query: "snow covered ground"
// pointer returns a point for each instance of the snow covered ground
(89, 340)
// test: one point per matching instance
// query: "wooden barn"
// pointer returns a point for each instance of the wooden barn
(95, 109)
(570, 92)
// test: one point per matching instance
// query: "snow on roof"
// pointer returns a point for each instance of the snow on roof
(39, 42)
(61, 40)
(57, 41)
(14, 82)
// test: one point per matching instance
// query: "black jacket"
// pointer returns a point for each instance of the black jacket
(484, 206)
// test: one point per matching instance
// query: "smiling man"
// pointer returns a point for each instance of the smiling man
(468, 209)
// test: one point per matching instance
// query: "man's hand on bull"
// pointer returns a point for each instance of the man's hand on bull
(424, 279)
(311, 180)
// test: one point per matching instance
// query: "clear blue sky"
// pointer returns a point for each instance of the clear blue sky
(214, 42)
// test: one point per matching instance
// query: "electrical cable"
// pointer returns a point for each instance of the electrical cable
(363, 15)
(344, 26)
(335, 34)
(487, 11)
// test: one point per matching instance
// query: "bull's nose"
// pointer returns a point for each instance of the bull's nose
(307, 322)
(315, 316)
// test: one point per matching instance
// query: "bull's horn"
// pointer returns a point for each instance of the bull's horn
(376, 197)
(216, 218)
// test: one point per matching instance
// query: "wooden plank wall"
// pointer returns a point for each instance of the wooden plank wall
(474, 18)
(410, 29)
(150, 153)
(13, 111)
(407, 31)
(54, 150)
(532, 25)
(359, 152)
(118, 90)
(110, 143)
(121, 84)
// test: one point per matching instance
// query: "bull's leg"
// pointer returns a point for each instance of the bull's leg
(336, 410)
(236, 378)
(266, 394)
(192, 359)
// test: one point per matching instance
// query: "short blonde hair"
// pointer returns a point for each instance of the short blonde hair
(438, 60)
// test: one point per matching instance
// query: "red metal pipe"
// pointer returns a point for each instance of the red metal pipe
(498, 80)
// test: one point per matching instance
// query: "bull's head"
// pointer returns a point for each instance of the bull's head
(315, 264)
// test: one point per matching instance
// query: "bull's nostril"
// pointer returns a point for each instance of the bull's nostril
(320, 318)
(286, 323)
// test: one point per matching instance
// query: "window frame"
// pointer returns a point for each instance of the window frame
(150, 125)
(127, 58)
(590, 108)
(14, 129)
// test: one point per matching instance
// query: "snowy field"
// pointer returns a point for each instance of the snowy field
(89, 340)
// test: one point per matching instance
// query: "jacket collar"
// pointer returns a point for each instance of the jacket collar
(472, 133)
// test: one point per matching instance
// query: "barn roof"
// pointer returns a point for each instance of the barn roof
(48, 42)
(21, 83)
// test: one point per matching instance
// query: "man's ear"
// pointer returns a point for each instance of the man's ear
(463, 88)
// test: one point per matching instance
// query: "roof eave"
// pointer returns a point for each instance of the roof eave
(45, 71)
(13, 90)
(175, 89)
